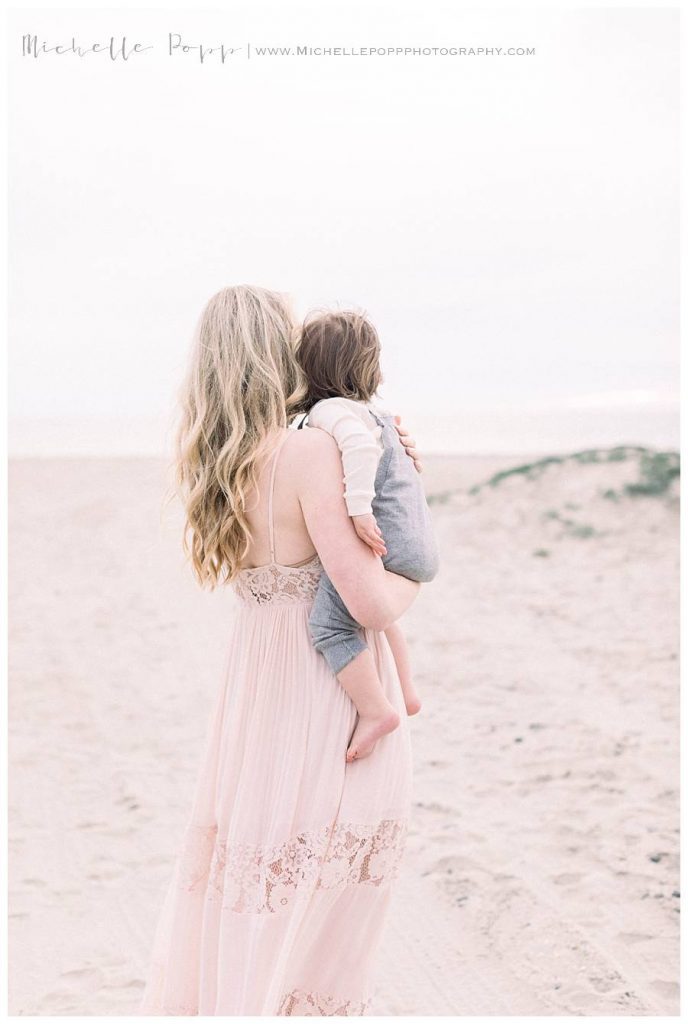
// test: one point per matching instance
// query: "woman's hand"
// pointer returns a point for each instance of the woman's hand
(409, 444)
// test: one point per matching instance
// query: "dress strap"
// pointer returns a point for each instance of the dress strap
(271, 522)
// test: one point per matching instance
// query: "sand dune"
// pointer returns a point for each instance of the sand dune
(541, 875)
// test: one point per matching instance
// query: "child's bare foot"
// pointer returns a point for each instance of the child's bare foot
(369, 729)
(413, 704)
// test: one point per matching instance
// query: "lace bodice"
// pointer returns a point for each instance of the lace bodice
(276, 584)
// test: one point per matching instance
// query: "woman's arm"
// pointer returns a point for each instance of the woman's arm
(374, 597)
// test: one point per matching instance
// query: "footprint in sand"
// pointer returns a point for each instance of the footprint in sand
(80, 980)
(104, 874)
(580, 1000)
(668, 989)
(82, 972)
(605, 984)
(135, 983)
(630, 938)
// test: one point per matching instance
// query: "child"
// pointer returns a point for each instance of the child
(340, 356)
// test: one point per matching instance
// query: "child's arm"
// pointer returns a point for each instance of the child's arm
(360, 456)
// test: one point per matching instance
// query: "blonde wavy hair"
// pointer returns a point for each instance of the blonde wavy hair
(243, 384)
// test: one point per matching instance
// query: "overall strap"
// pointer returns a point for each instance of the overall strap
(376, 416)
(271, 524)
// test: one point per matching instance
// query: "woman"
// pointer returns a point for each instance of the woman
(285, 872)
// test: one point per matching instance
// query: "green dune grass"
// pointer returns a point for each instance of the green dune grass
(656, 469)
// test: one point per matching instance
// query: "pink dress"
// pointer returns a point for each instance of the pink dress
(281, 886)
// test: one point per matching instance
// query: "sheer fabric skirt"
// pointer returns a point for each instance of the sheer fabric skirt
(286, 868)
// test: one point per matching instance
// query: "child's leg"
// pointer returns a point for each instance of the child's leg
(339, 639)
(397, 641)
(376, 716)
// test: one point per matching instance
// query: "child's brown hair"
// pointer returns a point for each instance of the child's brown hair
(339, 354)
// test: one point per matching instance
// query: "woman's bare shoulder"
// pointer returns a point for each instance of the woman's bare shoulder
(312, 450)
(311, 441)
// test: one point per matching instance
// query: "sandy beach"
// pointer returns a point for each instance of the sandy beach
(541, 875)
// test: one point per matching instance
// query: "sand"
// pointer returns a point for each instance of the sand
(541, 875)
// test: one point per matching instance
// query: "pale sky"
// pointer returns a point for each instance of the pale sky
(509, 222)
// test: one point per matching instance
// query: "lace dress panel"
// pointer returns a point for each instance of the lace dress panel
(267, 880)
(278, 584)
(313, 1004)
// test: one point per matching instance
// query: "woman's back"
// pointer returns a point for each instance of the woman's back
(278, 528)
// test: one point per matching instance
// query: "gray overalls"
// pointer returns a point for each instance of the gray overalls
(403, 516)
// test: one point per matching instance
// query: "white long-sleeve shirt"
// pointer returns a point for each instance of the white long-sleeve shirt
(358, 438)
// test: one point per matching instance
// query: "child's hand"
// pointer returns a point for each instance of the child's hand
(369, 532)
